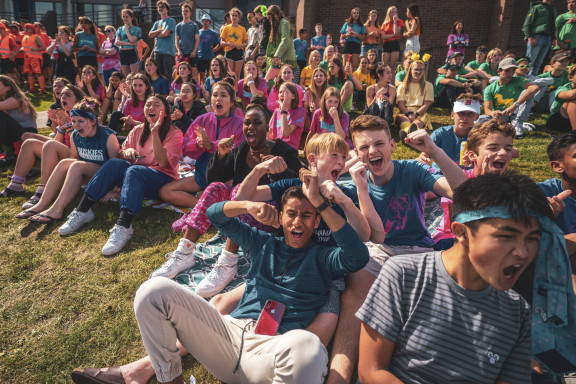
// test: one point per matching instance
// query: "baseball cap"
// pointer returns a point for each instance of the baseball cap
(451, 66)
(561, 56)
(455, 54)
(467, 105)
(31, 26)
(507, 63)
(206, 17)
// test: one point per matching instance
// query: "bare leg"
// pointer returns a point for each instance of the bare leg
(52, 153)
(30, 135)
(345, 348)
(31, 149)
(346, 92)
(568, 110)
(386, 60)
(355, 61)
(134, 68)
(226, 302)
(125, 70)
(180, 192)
(238, 69)
(394, 60)
(78, 172)
(53, 186)
(231, 246)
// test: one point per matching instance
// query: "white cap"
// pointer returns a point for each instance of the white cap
(206, 17)
(466, 105)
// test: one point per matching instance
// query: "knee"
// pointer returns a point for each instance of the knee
(25, 136)
(215, 187)
(305, 355)
(151, 293)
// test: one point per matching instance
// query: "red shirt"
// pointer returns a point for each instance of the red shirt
(388, 29)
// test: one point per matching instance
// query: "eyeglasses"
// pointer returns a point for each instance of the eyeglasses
(524, 66)
(108, 30)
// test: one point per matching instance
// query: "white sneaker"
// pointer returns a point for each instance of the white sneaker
(179, 260)
(75, 221)
(52, 134)
(217, 280)
(119, 236)
(519, 132)
(527, 127)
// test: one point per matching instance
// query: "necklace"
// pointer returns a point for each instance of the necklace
(255, 152)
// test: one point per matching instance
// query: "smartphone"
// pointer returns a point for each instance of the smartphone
(270, 318)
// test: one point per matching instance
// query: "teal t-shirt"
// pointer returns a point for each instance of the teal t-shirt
(558, 102)
(358, 28)
(166, 45)
(486, 68)
(121, 35)
(400, 76)
(439, 87)
(503, 96)
(558, 81)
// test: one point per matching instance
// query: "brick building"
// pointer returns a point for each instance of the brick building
(494, 23)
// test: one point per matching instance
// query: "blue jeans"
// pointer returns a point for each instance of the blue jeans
(538, 53)
(200, 169)
(136, 181)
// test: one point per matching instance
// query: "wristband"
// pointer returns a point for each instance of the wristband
(408, 113)
(60, 130)
(284, 112)
(323, 206)
(250, 82)
(416, 114)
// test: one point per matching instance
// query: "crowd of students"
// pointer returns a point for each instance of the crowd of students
(356, 264)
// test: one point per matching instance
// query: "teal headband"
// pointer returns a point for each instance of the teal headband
(83, 113)
(554, 302)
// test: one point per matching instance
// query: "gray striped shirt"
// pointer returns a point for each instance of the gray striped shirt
(444, 333)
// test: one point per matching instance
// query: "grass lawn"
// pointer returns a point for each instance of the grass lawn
(63, 305)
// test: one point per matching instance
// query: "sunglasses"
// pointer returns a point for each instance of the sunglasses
(523, 66)
(108, 30)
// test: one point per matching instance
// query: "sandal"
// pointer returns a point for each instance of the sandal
(33, 201)
(43, 219)
(25, 214)
(7, 192)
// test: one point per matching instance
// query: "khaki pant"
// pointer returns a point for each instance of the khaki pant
(167, 311)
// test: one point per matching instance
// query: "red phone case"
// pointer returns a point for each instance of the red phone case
(270, 318)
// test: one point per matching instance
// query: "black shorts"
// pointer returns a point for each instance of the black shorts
(190, 60)
(19, 62)
(557, 122)
(6, 66)
(203, 65)
(351, 48)
(391, 46)
(87, 60)
(46, 61)
(128, 57)
(235, 54)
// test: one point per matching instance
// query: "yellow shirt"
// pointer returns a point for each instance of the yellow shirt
(306, 74)
(237, 35)
(364, 78)
(415, 98)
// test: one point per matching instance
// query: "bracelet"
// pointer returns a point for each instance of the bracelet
(517, 105)
(408, 113)
(323, 206)
(416, 114)
(284, 112)
(250, 82)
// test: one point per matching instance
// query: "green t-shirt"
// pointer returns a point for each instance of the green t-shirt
(566, 31)
(558, 81)
(474, 64)
(558, 102)
(486, 68)
(324, 65)
(504, 96)
(439, 87)
(400, 76)
(347, 106)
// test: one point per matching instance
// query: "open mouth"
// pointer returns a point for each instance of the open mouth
(512, 272)
(376, 161)
(498, 165)
(335, 173)
(250, 136)
(151, 114)
(297, 235)
(218, 106)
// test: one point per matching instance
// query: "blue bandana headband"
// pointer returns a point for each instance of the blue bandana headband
(553, 330)
(83, 113)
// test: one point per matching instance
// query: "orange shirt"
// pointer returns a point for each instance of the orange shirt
(371, 39)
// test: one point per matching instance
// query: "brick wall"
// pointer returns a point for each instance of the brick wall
(495, 23)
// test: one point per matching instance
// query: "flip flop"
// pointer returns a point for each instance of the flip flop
(110, 375)
(38, 219)
(25, 214)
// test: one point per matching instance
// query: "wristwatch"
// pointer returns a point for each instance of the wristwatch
(516, 105)
(323, 206)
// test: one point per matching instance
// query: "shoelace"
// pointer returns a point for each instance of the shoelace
(174, 257)
(73, 218)
(115, 234)
(217, 272)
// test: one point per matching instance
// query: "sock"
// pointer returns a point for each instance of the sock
(405, 126)
(185, 246)
(228, 258)
(85, 204)
(16, 183)
(125, 219)
(40, 189)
